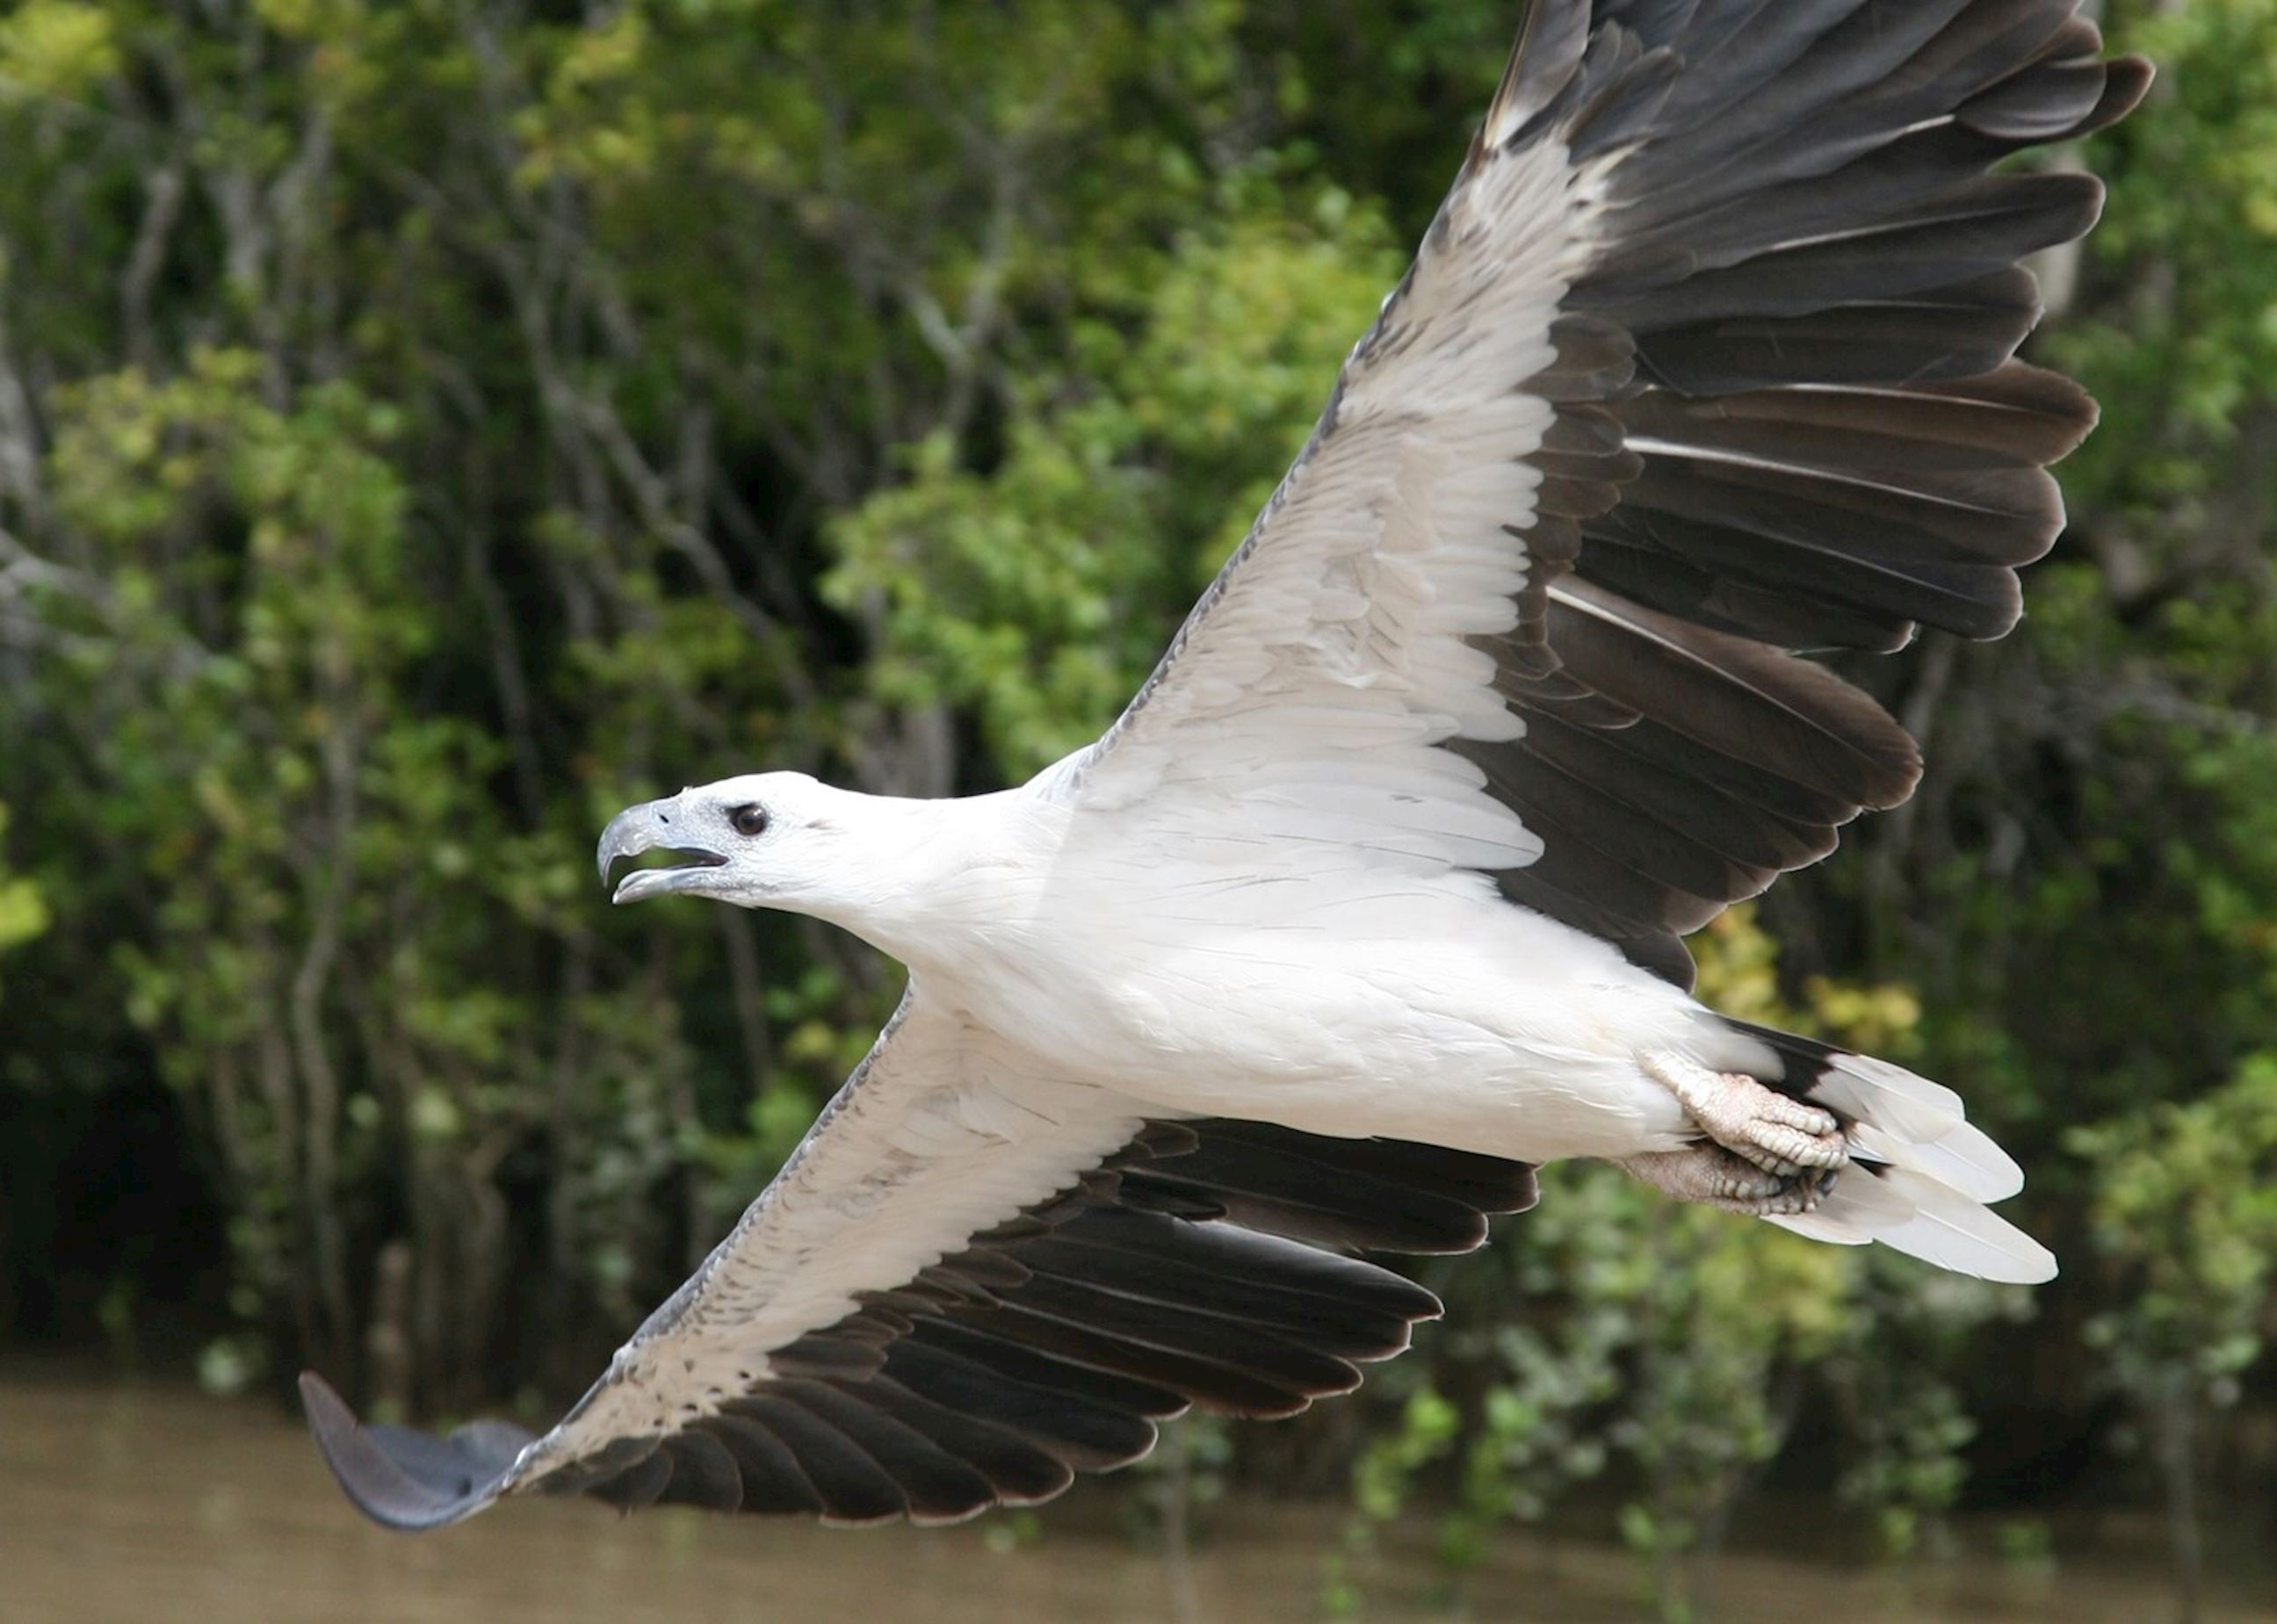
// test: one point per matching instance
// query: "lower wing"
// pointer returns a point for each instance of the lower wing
(972, 1280)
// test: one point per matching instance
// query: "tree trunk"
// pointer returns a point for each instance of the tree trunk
(2176, 1423)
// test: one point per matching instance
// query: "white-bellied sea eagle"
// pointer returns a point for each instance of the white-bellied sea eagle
(1372, 898)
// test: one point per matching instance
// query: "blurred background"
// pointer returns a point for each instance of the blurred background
(426, 427)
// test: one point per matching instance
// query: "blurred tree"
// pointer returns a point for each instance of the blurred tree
(2186, 1212)
(22, 914)
(426, 425)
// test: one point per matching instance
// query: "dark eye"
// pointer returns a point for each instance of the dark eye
(750, 820)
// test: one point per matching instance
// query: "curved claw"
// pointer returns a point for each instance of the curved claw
(1711, 1176)
(1785, 1136)
(406, 1480)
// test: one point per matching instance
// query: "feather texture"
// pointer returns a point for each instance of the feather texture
(1782, 288)
(1157, 1275)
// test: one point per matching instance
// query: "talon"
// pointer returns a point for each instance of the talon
(1736, 1185)
(1775, 1131)
(1709, 1175)
(1777, 1148)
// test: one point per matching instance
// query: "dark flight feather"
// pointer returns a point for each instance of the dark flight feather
(1052, 1344)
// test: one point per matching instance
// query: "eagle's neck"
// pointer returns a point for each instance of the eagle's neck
(946, 879)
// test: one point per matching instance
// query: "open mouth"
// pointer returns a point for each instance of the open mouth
(671, 874)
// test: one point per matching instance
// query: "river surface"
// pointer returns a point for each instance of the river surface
(128, 1503)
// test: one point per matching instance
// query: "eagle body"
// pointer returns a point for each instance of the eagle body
(1374, 898)
(1330, 997)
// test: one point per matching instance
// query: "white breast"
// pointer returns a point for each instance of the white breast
(1307, 998)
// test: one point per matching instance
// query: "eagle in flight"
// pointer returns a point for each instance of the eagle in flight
(1375, 896)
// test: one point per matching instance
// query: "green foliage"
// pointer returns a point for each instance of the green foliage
(2185, 1208)
(1034, 594)
(2187, 358)
(22, 914)
(425, 427)
(57, 48)
(995, 594)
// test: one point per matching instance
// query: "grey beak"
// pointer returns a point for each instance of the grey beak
(655, 825)
(629, 834)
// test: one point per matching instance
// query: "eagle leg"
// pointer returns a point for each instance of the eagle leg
(1775, 1131)
(1711, 1176)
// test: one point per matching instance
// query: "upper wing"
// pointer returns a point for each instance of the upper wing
(1706, 359)
(972, 1281)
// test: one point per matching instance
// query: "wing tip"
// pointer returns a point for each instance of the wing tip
(400, 1480)
(1547, 55)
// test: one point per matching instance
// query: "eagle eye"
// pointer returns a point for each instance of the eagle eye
(748, 820)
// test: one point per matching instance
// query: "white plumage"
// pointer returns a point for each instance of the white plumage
(1372, 899)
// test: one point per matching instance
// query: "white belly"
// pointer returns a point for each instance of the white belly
(1478, 1026)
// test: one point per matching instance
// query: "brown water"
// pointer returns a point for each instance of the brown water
(125, 1503)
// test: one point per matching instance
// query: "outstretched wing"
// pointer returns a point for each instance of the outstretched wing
(972, 1280)
(1707, 359)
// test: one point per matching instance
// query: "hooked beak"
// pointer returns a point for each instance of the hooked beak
(650, 827)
